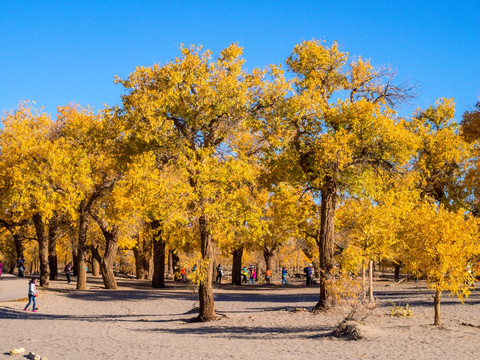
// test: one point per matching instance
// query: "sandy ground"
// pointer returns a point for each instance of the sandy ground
(137, 322)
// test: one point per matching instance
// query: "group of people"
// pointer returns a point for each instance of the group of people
(309, 273)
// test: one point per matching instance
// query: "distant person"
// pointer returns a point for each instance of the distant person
(268, 275)
(244, 275)
(219, 274)
(21, 267)
(284, 276)
(32, 294)
(68, 269)
(194, 268)
(1, 267)
(308, 274)
(252, 276)
(183, 272)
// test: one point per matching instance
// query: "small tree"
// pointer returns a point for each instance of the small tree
(438, 245)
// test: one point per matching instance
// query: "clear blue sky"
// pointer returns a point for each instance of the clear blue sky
(57, 52)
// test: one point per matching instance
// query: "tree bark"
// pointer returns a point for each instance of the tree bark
(95, 266)
(81, 252)
(268, 257)
(370, 282)
(237, 266)
(159, 244)
(326, 241)
(42, 249)
(397, 272)
(175, 265)
(17, 239)
(364, 283)
(205, 291)
(139, 263)
(436, 303)
(52, 247)
(106, 264)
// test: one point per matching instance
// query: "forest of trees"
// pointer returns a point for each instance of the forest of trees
(206, 157)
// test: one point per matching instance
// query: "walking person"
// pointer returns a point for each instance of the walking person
(219, 274)
(1, 267)
(244, 275)
(268, 276)
(308, 273)
(67, 270)
(32, 295)
(253, 276)
(20, 266)
(284, 276)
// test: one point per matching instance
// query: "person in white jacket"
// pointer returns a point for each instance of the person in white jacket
(32, 293)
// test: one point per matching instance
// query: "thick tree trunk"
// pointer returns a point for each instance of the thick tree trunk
(397, 272)
(436, 304)
(52, 247)
(370, 282)
(106, 264)
(95, 267)
(268, 257)
(42, 249)
(139, 263)
(237, 266)
(81, 252)
(205, 292)
(326, 241)
(158, 280)
(17, 239)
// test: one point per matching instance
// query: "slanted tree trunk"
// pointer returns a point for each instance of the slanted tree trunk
(159, 244)
(52, 247)
(326, 241)
(42, 249)
(436, 304)
(237, 266)
(370, 282)
(205, 291)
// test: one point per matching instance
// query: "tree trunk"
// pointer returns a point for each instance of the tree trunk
(364, 283)
(158, 280)
(436, 303)
(42, 249)
(370, 282)
(106, 264)
(17, 238)
(95, 266)
(175, 265)
(81, 252)
(52, 247)
(237, 266)
(205, 292)
(268, 257)
(139, 263)
(397, 272)
(326, 241)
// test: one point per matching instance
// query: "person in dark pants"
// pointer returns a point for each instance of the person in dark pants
(68, 269)
(20, 266)
(308, 273)
(219, 274)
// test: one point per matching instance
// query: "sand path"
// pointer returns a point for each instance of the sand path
(137, 322)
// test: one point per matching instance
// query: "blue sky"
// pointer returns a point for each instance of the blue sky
(57, 52)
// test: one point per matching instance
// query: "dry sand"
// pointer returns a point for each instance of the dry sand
(137, 322)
